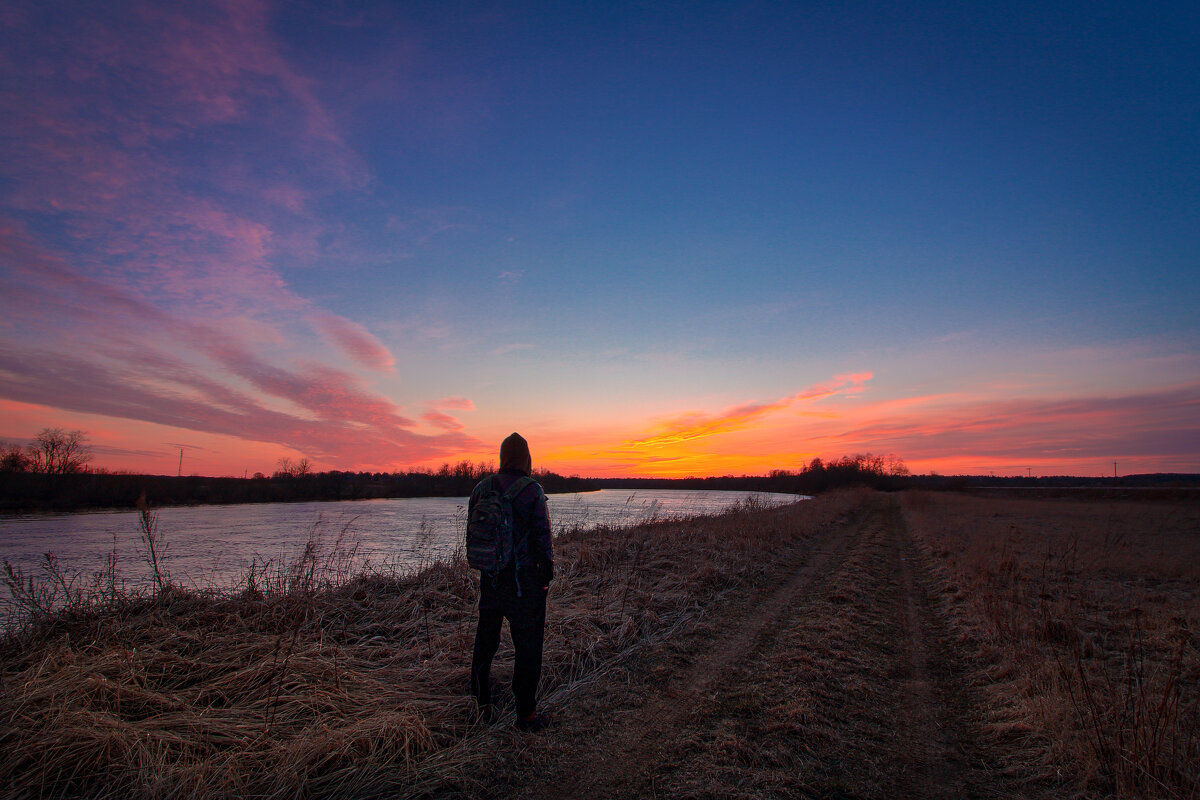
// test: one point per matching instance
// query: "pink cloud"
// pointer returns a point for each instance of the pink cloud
(443, 421)
(436, 417)
(356, 341)
(337, 436)
(158, 153)
(1159, 422)
(104, 107)
(292, 198)
(211, 381)
(217, 64)
(457, 403)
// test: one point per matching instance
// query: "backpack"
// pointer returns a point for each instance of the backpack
(490, 542)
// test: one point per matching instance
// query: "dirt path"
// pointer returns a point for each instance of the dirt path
(630, 755)
(841, 682)
(936, 767)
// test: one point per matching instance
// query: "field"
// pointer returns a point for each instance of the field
(858, 645)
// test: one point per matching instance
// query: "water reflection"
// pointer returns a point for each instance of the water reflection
(207, 546)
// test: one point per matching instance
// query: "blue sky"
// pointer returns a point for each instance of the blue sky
(383, 235)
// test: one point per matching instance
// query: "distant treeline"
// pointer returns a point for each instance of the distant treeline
(29, 491)
(878, 472)
(35, 491)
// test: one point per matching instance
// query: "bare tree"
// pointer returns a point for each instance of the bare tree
(58, 452)
(13, 458)
(293, 469)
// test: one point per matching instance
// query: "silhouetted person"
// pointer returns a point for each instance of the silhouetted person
(517, 592)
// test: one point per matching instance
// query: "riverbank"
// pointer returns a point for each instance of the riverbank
(212, 547)
(855, 645)
(311, 679)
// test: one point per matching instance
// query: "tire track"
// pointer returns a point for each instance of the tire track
(842, 682)
(933, 766)
(856, 693)
(626, 756)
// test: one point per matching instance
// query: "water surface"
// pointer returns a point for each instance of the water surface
(214, 545)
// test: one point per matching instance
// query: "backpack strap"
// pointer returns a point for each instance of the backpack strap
(517, 487)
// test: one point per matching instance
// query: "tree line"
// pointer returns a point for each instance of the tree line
(24, 490)
(819, 475)
(54, 451)
(52, 474)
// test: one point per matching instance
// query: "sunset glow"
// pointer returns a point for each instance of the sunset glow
(714, 239)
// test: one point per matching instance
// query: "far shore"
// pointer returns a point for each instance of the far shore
(24, 492)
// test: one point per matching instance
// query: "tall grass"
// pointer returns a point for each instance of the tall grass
(1087, 624)
(326, 675)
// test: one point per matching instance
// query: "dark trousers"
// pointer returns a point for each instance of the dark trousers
(526, 617)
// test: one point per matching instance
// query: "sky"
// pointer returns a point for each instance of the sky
(655, 238)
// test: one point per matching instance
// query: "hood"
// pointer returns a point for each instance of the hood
(514, 454)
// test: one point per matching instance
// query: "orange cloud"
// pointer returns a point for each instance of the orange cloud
(695, 425)
(1150, 431)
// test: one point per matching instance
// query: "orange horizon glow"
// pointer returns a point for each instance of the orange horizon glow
(943, 433)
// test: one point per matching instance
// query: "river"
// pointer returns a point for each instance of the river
(213, 546)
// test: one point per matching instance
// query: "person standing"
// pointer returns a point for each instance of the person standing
(517, 590)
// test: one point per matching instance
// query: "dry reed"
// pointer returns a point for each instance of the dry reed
(1086, 620)
(324, 676)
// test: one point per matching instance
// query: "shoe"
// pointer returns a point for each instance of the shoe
(533, 723)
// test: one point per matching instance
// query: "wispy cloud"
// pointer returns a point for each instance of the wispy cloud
(162, 164)
(437, 416)
(356, 341)
(143, 363)
(443, 421)
(456, 403)
(344, 428)
(1154, 424)
(152, 144)
(699, 425)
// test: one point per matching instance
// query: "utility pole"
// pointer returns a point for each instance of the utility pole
(179, 474)
(1114, 469)
(1029, 472)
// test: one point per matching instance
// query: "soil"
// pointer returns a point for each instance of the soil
(838, 677)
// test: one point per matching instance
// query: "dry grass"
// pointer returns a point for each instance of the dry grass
(324, 677)
(1086, 618)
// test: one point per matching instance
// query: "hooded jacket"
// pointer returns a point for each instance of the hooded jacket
(531, 519)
